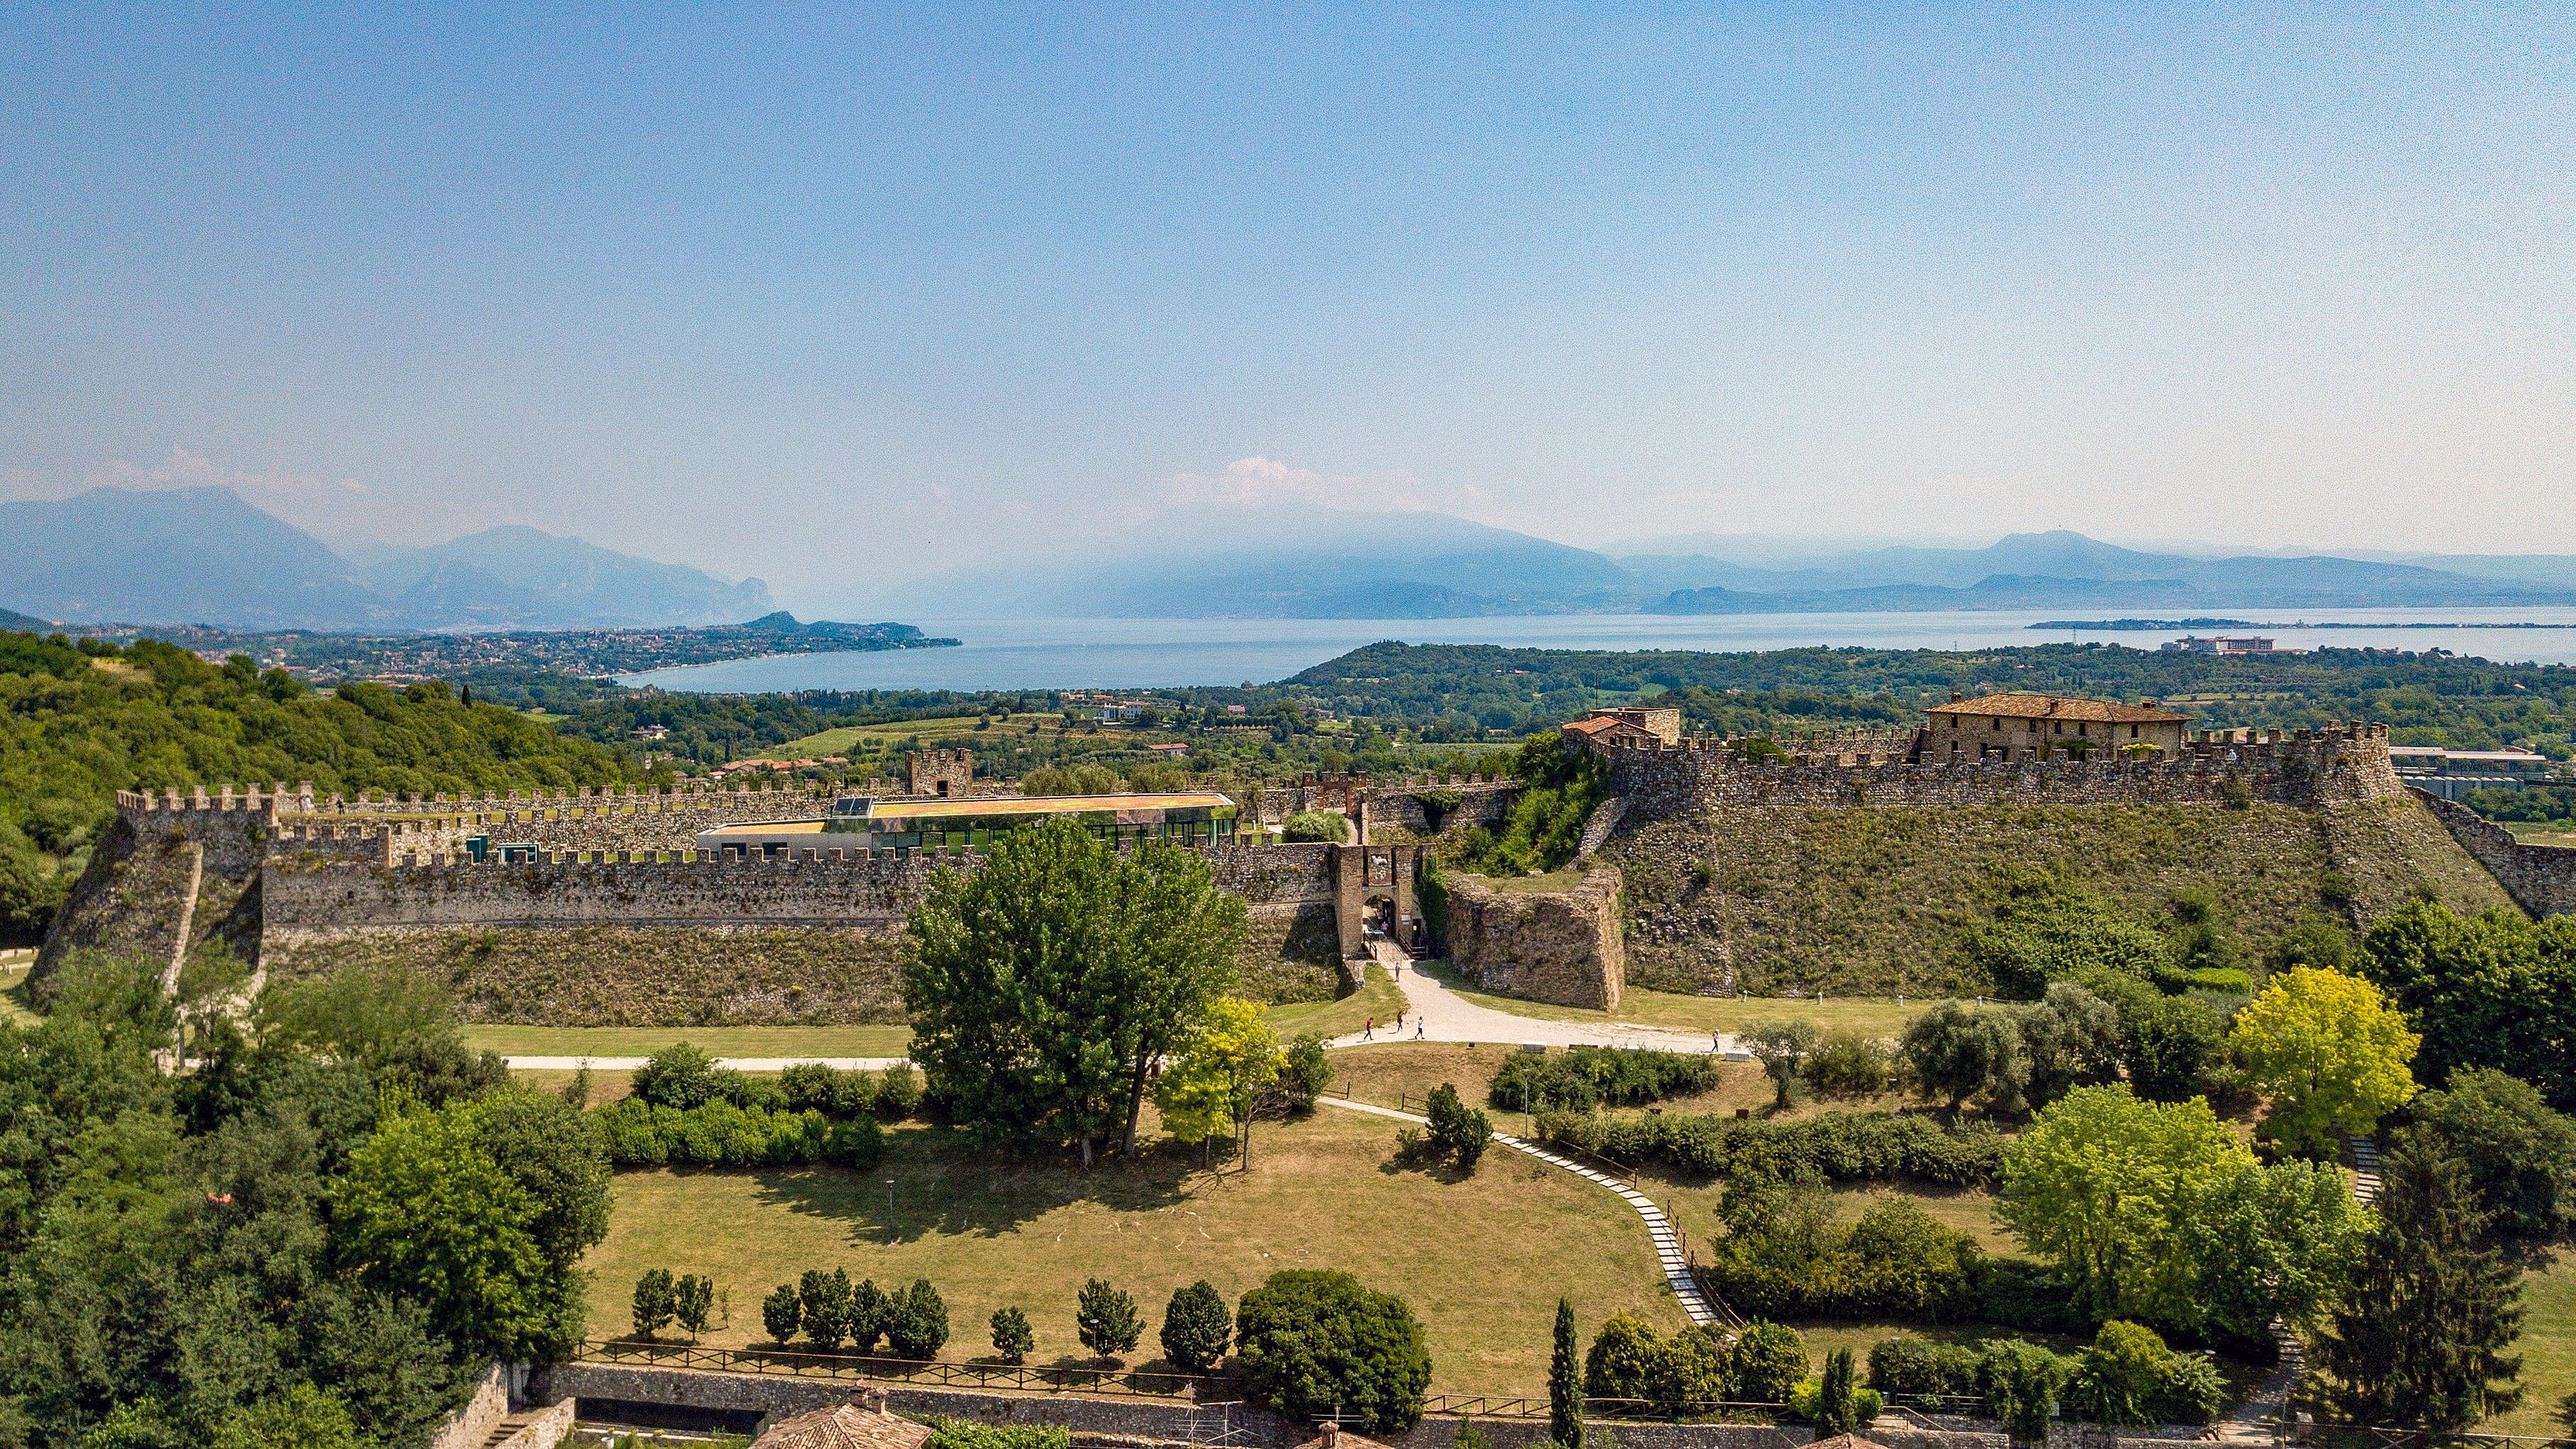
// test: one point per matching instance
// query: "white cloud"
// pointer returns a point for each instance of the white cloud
(1261, 482)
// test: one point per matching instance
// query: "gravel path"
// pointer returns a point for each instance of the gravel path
(1436, 1013)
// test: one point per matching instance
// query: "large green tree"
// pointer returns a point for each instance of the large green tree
(2421, 1334)
(1044, 987)
(2496, 990)
(2328, 1051)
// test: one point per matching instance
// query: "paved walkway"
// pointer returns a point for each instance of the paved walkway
(1433, 1012)
(1659, 1228)
(739, 1064)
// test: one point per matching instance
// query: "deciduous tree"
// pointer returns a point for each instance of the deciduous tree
(2329, 1051)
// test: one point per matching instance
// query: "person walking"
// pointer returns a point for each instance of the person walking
(1417, 1028)
(1369, 1032)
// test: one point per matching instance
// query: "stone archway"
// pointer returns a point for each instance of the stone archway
(1364, 875)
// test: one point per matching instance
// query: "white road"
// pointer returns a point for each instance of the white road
(1433, 1012)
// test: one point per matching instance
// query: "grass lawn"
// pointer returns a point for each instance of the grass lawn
(2541, 832)
(1552, 882)
(13, 987)
(724, 1041)
(930, 731)
(1877, 1016)
(1320, 1193)
(1377, 998)
(604, 1086)
(2548, 1350)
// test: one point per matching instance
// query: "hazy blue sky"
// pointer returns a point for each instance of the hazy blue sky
(799, 294)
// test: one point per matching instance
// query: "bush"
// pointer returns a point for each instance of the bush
(1105, 1318)
(716, 1133)
(1329, 827)
(782, 1313)
(916, 1327)
(2046, 931)
(1587, 1076)
(1849, 1064)
(1316, 1342)
(1622, 1355)
(1835, 1146)
(2120, 1373)
(1770, 1358)
(1834, 1403)
(898, 1092)
(1012, 1338)
(1306, 1072)
(832, 1091)
(1907, 1367)
(1458, 1131)
(1197, 1326)
(679, 1075)
(2021, 1381)
(966, 1434)
(1688, 1371)
(857, 1143)
(1783, 1256)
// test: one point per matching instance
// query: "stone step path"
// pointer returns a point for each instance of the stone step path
(1659, 1228)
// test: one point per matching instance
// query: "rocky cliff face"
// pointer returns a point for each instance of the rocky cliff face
(1556, 946)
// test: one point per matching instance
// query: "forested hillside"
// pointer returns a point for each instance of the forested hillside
(78, 723)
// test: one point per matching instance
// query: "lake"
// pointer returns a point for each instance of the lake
(1146, 653)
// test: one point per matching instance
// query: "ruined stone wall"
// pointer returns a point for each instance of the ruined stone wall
(2540, 878)
(1416, 806)
(2306, 767)
(1564, 947)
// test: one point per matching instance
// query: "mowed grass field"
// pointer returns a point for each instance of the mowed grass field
(1481, 1260)
(2548, 1350)
(14, 967)
(929, 731)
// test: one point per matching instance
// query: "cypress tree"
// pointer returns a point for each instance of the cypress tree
(2419, 1337)
(1565, 1383)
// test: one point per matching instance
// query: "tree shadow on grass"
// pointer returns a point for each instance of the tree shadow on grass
(934, 1182)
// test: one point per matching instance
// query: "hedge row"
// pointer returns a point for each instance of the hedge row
(1838, 1146)
(1611, 1076)
(637, 1133)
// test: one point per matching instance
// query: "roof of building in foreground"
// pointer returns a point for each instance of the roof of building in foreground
(845, 1426)
(2058, 706)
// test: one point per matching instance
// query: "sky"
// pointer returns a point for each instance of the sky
(833, 293)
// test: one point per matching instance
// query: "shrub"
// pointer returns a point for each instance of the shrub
(966, 1434)
(2021, 1381)
(1458, 1131)
(898, 1092)
(1329, 827)
(1314, 1342)
(856, 1143)
(1693, 1368)
(782, 1313)
(1770, 1358)
(1835, 1146)
(2193, 1391)
(1834, 1403)
(1105, 1318)
(1784, 1257)
(2046, 931)
(838, 1094)
(679, 1075)
(1622, 1355)
(1305, 1072)
(1587, 1076)
(2120, 1372)
(716, 1133)
(1911, 1368)
(1012, 1338)
(1197, 1326)
(919, 1324)
(1850, 1064)
(653, 1302)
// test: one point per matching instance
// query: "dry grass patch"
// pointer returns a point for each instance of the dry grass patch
(1482, 1261)
(793, 1042)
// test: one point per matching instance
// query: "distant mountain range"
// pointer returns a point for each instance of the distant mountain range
(1322, 564)
(204, 556)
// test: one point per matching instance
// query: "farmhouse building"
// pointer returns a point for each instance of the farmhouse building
(1626, 726)
(2034, 726)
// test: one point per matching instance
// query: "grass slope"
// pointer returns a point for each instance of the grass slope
(1482, 1261)
(1883, 901)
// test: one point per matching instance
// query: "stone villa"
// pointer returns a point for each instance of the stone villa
(2032, 726)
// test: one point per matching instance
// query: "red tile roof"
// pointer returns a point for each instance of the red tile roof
(2054, 706)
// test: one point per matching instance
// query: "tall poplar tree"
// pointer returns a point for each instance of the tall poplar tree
(1565, 1383)
(2421, 1333)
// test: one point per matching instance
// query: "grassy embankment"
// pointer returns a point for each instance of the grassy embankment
(1376, 997)
(1319, 1193)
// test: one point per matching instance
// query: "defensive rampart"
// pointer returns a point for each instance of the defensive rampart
(2540, 878)
(1559, 946)
(2334, 765)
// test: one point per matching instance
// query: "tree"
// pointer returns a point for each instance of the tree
(304, 1417)
(422, 1212)
(918, 1325)
(1621, 1356)
(824, 1302)
(653, 1301)
(1197, 1326)
(2021, 1382)
(1045, 986)
(2071, 1038)
(1458, 1131)
(1782, 1047)
(1012, 1338)
(2497, 990)
(1835, 1402)
(1105, 1318)
(693, 1297)
(1958, 1052)
(679, 1075)
(2097, 1187)
(2419, 1336)
(1230, 1058)
(1327, 826)
(2046, 931)
(1565, 1383)
(2122, 1375)
(1313, 1343)
(2520, 1154)
(781, 1313)
(2261, 1243)
(1306, 1071)
(2329, 1051)
(870, 1316)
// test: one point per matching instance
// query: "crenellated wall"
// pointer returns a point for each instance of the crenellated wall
(2540, 878)
(2334, 765)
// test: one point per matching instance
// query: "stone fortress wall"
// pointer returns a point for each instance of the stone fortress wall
(2540, 878)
